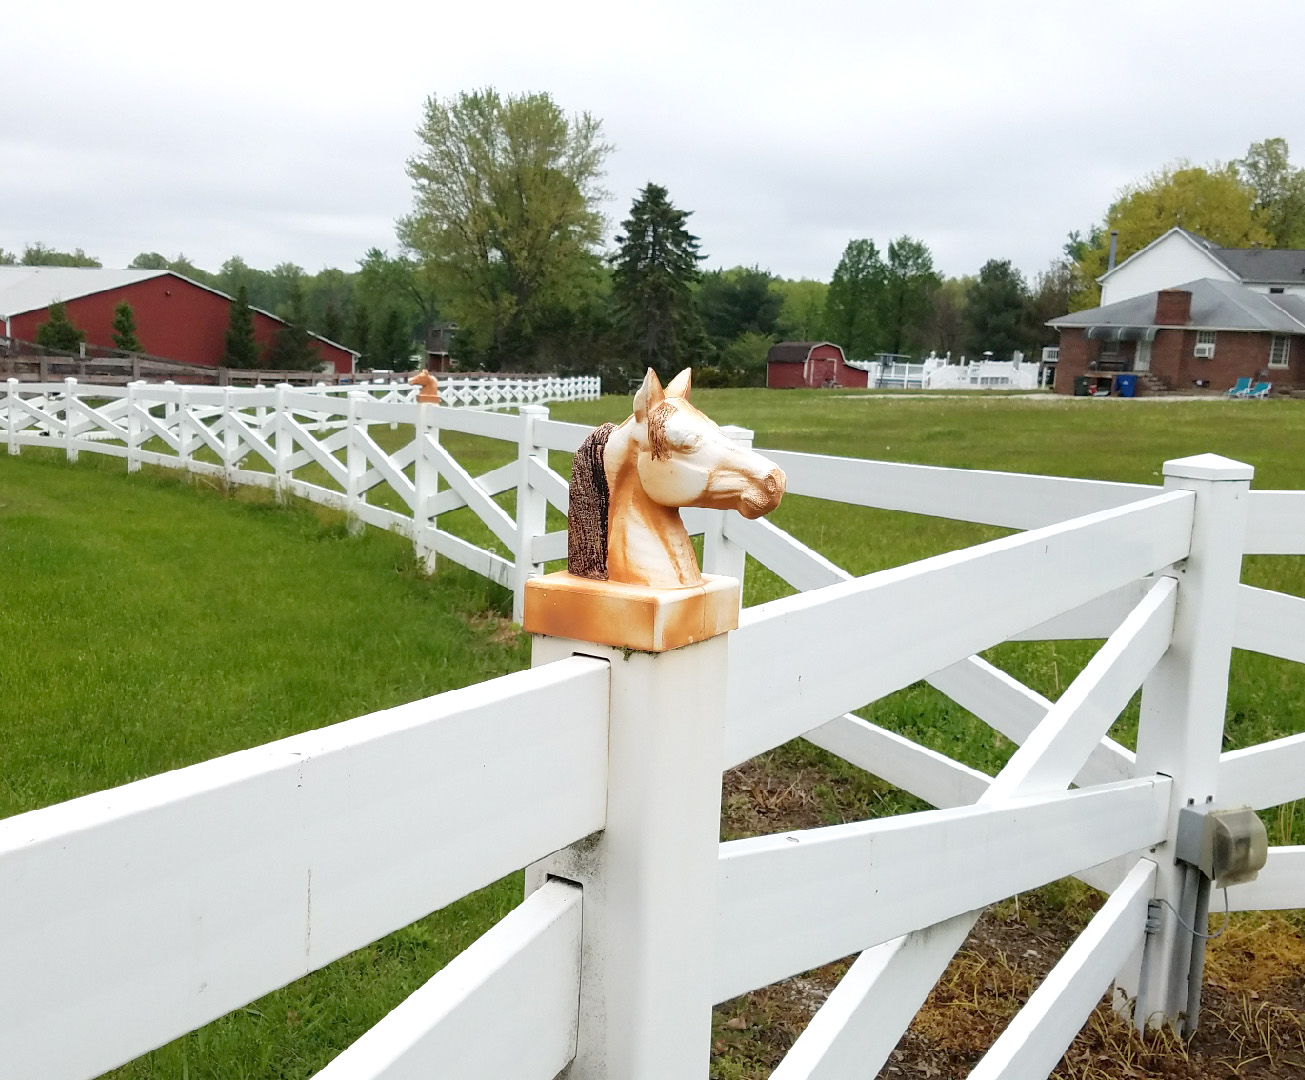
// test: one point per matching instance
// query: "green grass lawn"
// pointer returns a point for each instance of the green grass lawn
(154, 621)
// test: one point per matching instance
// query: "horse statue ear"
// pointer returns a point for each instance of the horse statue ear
(681, 385)
(650, 395)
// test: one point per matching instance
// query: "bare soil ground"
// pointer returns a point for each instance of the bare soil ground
(1253, 1009)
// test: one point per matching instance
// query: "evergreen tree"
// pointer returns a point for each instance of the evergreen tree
(242, 349)
(392, 348)
(332, 322)
(996, 309)
(292, 348)
(58, 332)
(738, 301)
(124, 329)
(854, 301)
(360, 335)
(655, 269)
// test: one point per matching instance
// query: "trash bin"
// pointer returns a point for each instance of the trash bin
(1082, 385)
(1126, 385)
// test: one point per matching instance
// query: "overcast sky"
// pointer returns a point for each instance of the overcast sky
(279, 131)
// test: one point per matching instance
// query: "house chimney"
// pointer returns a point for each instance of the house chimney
(1173, 307)
(1110, 259)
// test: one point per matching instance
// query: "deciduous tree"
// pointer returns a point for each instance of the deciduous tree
(909, 284)
(241, 348)
(655, 269)
(1279, 191)
(506, 209)
(58, 332)
(738, 301)
(802, 313)
(853, 304)
(40, 255)
(1214, 202)
(124, 329)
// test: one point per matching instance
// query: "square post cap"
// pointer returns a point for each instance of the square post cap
(1208, 467)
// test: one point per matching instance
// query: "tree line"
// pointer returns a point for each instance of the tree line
(505, 241)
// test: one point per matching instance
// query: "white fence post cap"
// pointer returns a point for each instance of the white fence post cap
(1208, 467)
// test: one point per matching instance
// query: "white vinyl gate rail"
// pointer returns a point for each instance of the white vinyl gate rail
(132, 916)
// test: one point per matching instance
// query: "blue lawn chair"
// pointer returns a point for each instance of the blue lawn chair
(1240, 390)
(1260, 390)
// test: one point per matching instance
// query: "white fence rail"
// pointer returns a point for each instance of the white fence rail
(134, 915)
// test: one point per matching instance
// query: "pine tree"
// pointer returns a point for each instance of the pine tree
(242, 349)
(392, 348)
(360, 334)
(332, 322)
(58, 332)
(124, 329)
(293, 348)
(656, 267)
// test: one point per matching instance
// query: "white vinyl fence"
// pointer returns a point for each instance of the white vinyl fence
(132, 916)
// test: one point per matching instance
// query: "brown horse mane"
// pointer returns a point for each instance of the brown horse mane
(586, 534)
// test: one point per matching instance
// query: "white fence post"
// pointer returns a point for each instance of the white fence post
(284, 441)
(532, 507)
(649, 877)
(355, 460)
(721, 555)
(69, 406)
(229, 442)
(426, 482)
(133, 427)
(11, 415)
(1184, 700)
(183, 428)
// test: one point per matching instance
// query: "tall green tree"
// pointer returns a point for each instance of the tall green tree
(392, 346)
(910, 282)
(241, 348)
(40, 255)
(738, 301)
(996, 311)
(946, 331)
(332, 324)
(58, 332)
(360, 335)
(1279, 191)
(124, 329)
(802, 312)
(506, 210)
(8, 258)
(1052, 295)
(654, 270)
(855, 300)
(292, 347)
(1214, 202)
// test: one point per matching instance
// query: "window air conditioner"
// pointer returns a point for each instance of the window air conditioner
(1204, 352)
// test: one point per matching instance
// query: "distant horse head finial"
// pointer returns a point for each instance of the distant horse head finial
(429, 394)
(629, 481)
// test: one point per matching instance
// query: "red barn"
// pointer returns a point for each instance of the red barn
(809, 363)
(176, 318)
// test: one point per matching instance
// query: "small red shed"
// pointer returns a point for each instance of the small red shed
(809, 363)
(176, 318)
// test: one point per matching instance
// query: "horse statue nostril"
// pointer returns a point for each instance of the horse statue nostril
(775, 482)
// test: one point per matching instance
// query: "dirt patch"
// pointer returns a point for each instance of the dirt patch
(1253, 1008)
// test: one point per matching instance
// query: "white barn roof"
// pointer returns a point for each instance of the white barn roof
(30, 288)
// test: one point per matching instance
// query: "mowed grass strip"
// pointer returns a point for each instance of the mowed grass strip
(154, 621)
(150, 623)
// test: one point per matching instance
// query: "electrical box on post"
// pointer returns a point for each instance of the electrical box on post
(1228, 846)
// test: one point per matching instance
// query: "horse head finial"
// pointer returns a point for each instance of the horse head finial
(628, 483)
(429, 394)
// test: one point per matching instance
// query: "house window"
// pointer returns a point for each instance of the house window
(1279, 351)
(1205, 344)
(1275, 289)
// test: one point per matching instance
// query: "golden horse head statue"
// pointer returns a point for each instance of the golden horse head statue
(429, 394)
(629, 481)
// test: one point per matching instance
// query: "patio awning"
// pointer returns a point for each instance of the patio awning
(1120, 333)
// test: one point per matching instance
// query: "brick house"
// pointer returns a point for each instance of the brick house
(1203, 335)
(809, 363)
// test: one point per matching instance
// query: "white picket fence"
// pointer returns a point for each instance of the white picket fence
(132, 916)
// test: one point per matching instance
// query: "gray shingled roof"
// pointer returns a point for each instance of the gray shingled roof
(1263, 265)
(1216, 305)
(792, 352)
